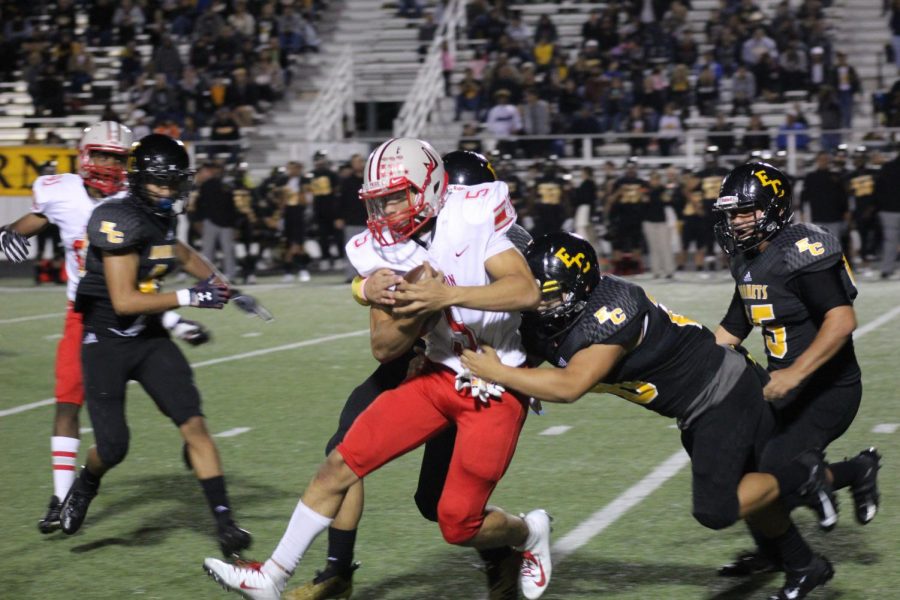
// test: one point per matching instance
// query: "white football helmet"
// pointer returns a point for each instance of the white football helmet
(402, 165)
(108, 137)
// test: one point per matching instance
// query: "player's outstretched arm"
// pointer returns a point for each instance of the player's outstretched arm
(196, 264)
(587, 368)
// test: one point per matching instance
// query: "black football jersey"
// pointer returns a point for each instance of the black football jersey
(674, 365)
(121, 226)
(763, 283)
(708, 186)
(861, 188)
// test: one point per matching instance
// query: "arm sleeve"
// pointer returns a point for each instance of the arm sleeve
(735, 320)
(820, 291)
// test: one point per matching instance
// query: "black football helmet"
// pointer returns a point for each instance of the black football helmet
(468, 168)
(566, 269)
(162, 161)
(755, 186)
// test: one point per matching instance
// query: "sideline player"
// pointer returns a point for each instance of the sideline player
(132, 247)
(67, 201)
(412, 223)
(794, 283)
(607, 335)
(463, 168)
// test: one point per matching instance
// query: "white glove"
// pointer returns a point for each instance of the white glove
(479, 388)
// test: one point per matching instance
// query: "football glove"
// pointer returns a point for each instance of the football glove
(483, 390)
(210, 293)
(250, 305)
(192, 332)
(14, 245)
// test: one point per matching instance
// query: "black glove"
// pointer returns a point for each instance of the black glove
(14, 245)
(251, 306)
(192, 332)
(210, 293)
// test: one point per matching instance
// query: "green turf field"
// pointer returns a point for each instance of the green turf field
(149, 529)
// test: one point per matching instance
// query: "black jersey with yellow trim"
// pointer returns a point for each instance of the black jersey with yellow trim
(764, 283)
(671, 361)
(120, 226)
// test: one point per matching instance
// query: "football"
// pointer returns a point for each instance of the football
(415, 275)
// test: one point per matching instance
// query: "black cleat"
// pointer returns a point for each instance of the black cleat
(232, 539)
(503, 576)
(50, 522)
(865, 493)
(801, 582)
(816, 492)
(749, 563)
(75, 506)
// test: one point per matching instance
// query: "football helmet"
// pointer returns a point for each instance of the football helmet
(402, 168)
(111, 138)
(468, 168)
(162, 161)
(757, 187)
(566, 269)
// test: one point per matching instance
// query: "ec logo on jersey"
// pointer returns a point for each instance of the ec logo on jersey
(775, 183)
(578, 259)
(616, 315)
(112, 236)
(815, 248)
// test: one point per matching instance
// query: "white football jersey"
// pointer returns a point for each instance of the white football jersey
(471, 227)
(64, 201)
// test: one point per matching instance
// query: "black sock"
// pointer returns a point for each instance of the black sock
(765, 546)
(217, 498)
(90, 481)
(794, 550)
(845, 473)
(495, 554)
(340, 549)
(790, 477)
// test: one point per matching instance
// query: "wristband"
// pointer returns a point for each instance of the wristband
(184, 297)
(358, 289)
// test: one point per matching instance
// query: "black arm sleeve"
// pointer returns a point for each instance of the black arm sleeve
(820, 291)
(735, 320)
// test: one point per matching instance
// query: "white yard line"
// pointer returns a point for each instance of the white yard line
(556, 430)
(232, 432)
(56, 315)
(215, 361)
(886, 428)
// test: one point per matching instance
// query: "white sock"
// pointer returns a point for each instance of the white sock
(306, 524)
(64, 455)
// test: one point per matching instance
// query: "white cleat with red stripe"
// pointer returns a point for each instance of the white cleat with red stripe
(536, 564)
(247, 579)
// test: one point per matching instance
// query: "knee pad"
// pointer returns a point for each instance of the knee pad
(715, 520)
(112, 452)
(457, 526)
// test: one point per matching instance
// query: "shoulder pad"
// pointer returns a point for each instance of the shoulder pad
(613, 305)
(48, 189)
(366, 256)
(807, 247)
(115, 225)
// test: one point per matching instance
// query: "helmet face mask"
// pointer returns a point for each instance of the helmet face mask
(403, 187)
(565, 267)
(103, 155)
(754, 204)
(160, 164)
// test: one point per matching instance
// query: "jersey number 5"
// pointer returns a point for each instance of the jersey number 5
(776, 337)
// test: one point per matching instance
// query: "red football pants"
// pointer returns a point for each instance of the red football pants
(404, 418)
(69, 383)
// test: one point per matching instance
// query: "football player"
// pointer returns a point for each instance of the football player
(132, 246)
(481, 279)
(606, 334)
(794, 283)
(67, 201)
(463, 168)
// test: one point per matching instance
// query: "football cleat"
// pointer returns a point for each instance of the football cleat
(749, 563)
(865, 493)
(233, 539)
(503, 576)
(816, 492)
(534, 574)
(329, 583)
(50, 522)
(801, 582)
(247, 579)
(75, 506)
